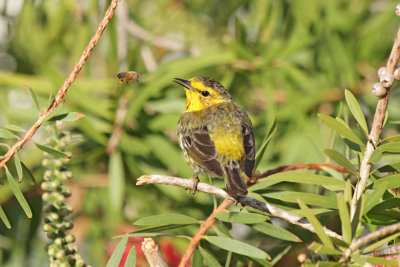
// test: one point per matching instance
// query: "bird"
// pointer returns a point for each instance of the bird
(216, 134)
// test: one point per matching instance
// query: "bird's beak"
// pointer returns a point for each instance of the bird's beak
(184, 83)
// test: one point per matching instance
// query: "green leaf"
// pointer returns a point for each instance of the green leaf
(391, 147)
(267, 138)
(166, 219)
(115, 258)
(70, 116)
(356, 110)
(344, 218)
(308, 178)
(391, 181)
(342, 129)
(15, 128)
(28, 175)
(116, 179)
(197, 259)
(376, 156)
(263, 184)
(131, 259)
(372, 197)
(6, 134)
(237, 247)
(241, 217)
(18, 167)
(317, 226)
(275, 231)
(341, 160)
(321, 249)
(380, 243)
(4, 218)
(18, 194)
(209, 258)
(33, 96)
(308, 198)
(373, 260)
(51, 151)
(280, 255)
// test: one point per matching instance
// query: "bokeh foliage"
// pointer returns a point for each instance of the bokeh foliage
(292, 59)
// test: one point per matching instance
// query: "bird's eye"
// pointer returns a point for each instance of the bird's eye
(205, 93)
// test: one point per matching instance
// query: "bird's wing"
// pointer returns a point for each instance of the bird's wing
(249, 149)
(201, 149)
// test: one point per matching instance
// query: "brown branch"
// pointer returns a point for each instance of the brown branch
(245, 201)
(153, 253)
(202, 230)
(381, 90)
(371, 237)
(63, 90)
(297, 166)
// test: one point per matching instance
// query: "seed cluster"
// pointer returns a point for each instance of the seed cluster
(56, 221)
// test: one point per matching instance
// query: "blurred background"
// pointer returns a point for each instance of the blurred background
(289, 59)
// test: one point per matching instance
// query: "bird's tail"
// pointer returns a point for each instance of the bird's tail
(235, 185)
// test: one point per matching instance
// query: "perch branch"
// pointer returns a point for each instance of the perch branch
(64, 88)
(202, 230)
(381, 90)
(153, 253)
(245, 201)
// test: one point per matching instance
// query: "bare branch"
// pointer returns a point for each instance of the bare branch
(386, 81)
(371, 237)
(64, 88)
(245, 201)
(153, 253)
(202, 230)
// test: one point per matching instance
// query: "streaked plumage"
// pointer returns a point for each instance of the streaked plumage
(216, 134)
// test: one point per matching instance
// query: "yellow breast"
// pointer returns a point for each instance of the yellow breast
(229, 143)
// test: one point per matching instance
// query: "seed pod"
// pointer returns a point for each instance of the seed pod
(387, 80)
(381, 72)
(378, 90)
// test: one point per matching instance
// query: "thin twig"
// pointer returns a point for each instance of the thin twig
(202, 230)
(245, 201)
(371, 237)
(377, 125)
(153, 253)
(64, 88)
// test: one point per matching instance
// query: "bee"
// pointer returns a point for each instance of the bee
(128, 77)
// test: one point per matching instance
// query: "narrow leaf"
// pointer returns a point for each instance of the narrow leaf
(356, 110)
(18, 194)
(280, 255)
(372, 197)
(52, 151)
(373, 260)
(28, 175)
(15, 128)
(381, 242)
(308, 178)
(116, 180)
(115, 258)
(4, 218)
(131, 259)
(33, 96)
(321, 249)
(241, 217)
(18, 166)
(263, 184)
(267, 138)
(392, 181)
(342, 129)
(6, 134)
(70, 116)
(209, 258)
(166, 219)
(275, 231)
(344, 218)
(237, 247)
(317, 225)
(341, 160)
(197, 259)
(390, 147)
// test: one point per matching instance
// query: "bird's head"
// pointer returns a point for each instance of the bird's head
(203, 92)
